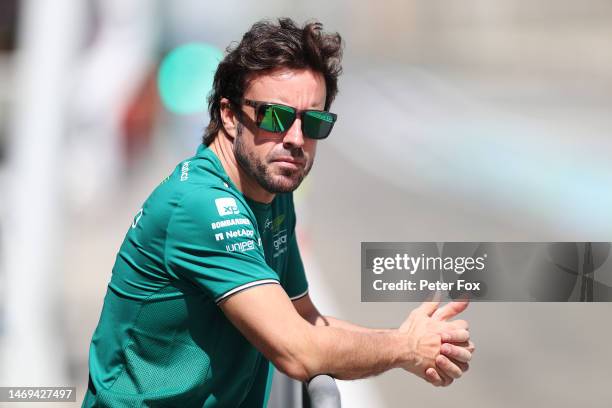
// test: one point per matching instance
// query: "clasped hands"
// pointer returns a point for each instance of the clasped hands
(440, 348)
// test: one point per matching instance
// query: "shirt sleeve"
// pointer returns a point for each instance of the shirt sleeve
(212, 241)
(294, 282)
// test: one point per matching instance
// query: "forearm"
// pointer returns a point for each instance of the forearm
(302, 349)
(309, 312)
(419, 344)
(330, 321)
(350, 354)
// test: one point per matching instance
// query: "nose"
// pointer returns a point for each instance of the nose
(294, 137)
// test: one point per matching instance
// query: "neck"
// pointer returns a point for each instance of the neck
(223, 147)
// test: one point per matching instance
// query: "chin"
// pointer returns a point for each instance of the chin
(284, 184)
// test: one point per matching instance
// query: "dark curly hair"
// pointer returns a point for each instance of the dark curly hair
(268, 46)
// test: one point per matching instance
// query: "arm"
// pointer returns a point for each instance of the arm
(309, 312)
(451, 364)
(267, 318)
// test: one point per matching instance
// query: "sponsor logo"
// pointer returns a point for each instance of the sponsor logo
(274, 224)
(267, 224)
(230, 223)
(185, 171)
(226, 206)
(277, 222)
(280, 240)
(279, 252)
(239, 233)
(280, 243)
(240, 246)
(137, 218)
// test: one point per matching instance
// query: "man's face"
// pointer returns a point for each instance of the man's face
(279, 161)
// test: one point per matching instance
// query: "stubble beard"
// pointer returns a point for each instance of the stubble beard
(285, 181)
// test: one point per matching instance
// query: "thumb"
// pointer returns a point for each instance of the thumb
(451, 310)
(428, 308)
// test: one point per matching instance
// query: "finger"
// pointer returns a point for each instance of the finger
(428, 307)
(463, 366)
(456, 336)
(445, 379)
(438, 378)
(432, 376)
(433, 297)
(460, 354)
(447, 367)
(450, 310)
(468, 345)
(459, 324)
(471, 347)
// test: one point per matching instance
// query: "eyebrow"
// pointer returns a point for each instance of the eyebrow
(280, 101)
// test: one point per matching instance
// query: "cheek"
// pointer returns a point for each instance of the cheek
(263, 136)
(265, 151)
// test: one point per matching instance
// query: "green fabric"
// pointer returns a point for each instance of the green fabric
(162, 341)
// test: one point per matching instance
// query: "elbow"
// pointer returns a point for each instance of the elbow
(294, 368)
(300, 355)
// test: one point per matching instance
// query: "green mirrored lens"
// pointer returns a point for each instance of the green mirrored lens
(324, 116)
(318, 125)
(277, 118)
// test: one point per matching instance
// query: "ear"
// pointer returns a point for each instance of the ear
(229, 119)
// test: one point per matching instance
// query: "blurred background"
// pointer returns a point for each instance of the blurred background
(479, 120)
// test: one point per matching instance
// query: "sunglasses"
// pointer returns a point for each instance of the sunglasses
(277, 118)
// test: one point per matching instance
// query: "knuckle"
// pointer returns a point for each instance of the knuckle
(447, 349)
(463, 324)
(462, 336)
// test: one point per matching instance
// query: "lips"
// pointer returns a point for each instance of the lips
(290, 160)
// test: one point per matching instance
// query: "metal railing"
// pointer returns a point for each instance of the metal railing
(321, 392)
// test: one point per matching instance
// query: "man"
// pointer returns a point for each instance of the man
(208, 286)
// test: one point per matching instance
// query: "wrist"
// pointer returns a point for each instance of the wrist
(404, 350)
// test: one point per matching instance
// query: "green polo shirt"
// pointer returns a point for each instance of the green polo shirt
(162, 340)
